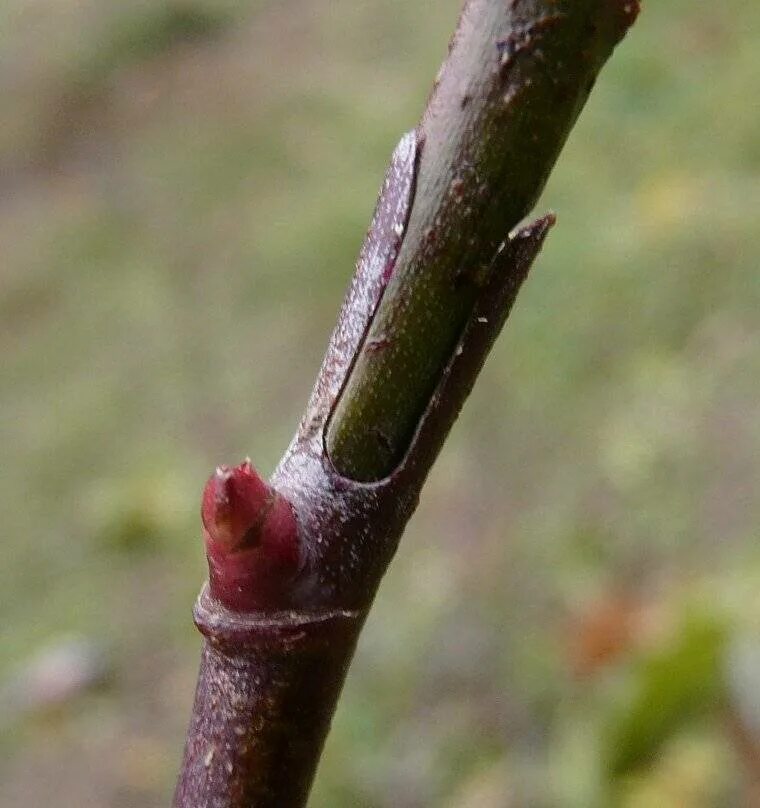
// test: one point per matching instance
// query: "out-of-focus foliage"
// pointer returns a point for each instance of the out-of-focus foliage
(680, 683)
(185, 186)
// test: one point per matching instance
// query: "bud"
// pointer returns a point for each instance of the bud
(251, 538)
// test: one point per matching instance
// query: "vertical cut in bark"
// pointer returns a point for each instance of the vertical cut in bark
(517, 76)
(295, 563)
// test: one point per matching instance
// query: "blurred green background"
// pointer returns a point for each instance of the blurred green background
(573, 618)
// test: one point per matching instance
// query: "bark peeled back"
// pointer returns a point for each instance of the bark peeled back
(295, 563)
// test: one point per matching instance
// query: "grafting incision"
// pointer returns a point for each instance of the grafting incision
(270, 679)
(294, 563)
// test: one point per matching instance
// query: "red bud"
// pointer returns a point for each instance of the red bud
(251, 537)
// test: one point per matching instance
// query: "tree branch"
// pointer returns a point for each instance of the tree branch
(295, 564)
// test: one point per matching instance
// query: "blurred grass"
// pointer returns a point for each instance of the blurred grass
(184, 189)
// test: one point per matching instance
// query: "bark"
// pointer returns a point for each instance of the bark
(295, 563)
(516, 78)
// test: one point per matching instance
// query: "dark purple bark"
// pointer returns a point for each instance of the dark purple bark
(269, 682)
(266, 692)
(296, 563)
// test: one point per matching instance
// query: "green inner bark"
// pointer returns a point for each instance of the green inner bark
(491, 140)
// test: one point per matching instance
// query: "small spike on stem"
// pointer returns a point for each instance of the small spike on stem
(251, 538)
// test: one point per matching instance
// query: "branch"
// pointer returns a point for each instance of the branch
(294, 564)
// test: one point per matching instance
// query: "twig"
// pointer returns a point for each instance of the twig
(295, 564)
